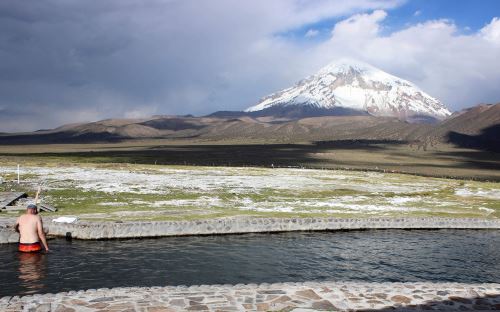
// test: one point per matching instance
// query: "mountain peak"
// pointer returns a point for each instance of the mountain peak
(348, 65)
(345, 64)
(357, 86)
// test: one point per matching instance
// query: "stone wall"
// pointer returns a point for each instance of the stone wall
(234, 225)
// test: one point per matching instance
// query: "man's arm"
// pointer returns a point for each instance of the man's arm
(16, 227)
(37, 194)
(41, 234)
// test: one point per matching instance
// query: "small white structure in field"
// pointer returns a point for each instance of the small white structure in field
(65, 220)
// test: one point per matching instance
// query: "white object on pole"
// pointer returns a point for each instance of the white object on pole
(17, 173)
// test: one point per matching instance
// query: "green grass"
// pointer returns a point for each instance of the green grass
(344, 198)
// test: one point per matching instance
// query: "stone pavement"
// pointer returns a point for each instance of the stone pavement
(308, 296)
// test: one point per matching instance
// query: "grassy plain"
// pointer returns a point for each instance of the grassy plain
(148, 180)
(437, 161)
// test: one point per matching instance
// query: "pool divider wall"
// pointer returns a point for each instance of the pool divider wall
(238, 225)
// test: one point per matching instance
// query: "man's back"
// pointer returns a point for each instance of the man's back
(29, 228)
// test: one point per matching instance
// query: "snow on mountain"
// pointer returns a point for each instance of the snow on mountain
(357, 86)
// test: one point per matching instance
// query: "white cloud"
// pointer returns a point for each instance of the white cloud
(311, 33)
(359, 27)
(417, 13)
(140, 112)
(491, 32)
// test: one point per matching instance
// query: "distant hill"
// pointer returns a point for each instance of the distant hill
(293, 112)
(477, 127)
(221, 128)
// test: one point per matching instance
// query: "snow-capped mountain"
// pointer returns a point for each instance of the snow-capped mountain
(356, 86)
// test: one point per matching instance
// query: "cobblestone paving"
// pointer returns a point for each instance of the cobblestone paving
(309, 296)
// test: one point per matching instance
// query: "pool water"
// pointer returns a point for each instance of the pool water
(376, 256)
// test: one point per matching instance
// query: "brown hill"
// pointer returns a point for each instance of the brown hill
(470, 121)
(477, 127)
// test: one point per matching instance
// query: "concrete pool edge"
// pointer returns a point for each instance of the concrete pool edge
(239, 225)
(269, 297)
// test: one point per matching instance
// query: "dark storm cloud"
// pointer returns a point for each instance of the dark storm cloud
(66, 61)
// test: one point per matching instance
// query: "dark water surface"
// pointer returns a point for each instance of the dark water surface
(378, 256)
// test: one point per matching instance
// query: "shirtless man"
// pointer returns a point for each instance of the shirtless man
(30, 228)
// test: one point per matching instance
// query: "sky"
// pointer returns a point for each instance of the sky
(77, 61)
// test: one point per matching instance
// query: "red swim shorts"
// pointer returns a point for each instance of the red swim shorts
(30, 247)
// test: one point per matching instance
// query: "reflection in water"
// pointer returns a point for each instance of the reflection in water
(31, 271)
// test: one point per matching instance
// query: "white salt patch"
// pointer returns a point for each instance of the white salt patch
(139, 202)
(246, 201)
(466, 192)
(335, 211)
(403, 200)
(268, 209)
(366, 208)
(201, 202)
(112, 204)
(238, 180)
(488, 210)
